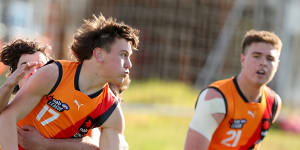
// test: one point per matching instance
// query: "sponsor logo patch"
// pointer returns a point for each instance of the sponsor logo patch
(237, 123)
(85, 127)
(57, 104)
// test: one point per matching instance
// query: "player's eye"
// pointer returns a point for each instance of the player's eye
(124, 54)
(270, 58)
(256, 56)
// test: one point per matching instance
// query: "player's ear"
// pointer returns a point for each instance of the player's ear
(242, 58)
(98, 54)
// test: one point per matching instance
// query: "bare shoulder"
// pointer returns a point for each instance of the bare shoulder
(211, 101)
(210, 111)
(116, 120)
(279, 103)
(113, 130)
(45, 77)
(40, 83)
(50, 70)
(213, 93)
(210, 94)
(278, 99)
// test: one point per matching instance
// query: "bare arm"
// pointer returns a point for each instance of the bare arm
(210, 111)
(278, 108)
(30, 138)
(11, 81)
(5, 93)
(277, 97)
(25, 100)
(112, 133)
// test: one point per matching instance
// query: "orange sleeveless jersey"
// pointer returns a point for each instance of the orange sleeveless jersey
(66, 112)
(245, 123)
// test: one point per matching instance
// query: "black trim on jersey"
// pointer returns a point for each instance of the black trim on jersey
(76, 80)
(60, 73)
(76, 83)
(240, 91)
(198, 98)
(225, 101)
(95, 94)
(224, 98)
(49, 62)
(102, 118)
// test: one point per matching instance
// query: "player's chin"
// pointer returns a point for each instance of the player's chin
(118, 81)
(262, 81)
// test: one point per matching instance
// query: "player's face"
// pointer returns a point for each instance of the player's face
(259, 63)
(117, 62)
(38, 57)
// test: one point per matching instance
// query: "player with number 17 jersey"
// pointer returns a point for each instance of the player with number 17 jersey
(72, 114)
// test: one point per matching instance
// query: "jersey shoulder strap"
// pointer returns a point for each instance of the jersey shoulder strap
(271, 99)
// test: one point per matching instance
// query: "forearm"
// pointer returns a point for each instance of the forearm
(5, 93)
(195, 141)
(69, 144)
(110, 139)
(112, 131)
(8, 130)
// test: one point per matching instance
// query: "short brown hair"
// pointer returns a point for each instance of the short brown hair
(101, 32)
(254, 36)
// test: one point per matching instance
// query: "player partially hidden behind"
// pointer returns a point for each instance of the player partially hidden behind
(66, 99)
(236, 113)
(23, 58)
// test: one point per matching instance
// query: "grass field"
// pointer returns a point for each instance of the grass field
(156, 128)
(152, 132)
(157, 92)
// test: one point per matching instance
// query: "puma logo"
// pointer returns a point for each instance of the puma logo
(78, 105)
(251, 113)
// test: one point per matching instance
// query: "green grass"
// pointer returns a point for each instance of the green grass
(281, 140)
(161, 92)
(149, 130)
(152, 132)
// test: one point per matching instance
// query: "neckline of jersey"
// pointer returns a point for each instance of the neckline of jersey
(76, 83)
(240, 91)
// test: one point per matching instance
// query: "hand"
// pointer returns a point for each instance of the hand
(30, 138)
(13, 79)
